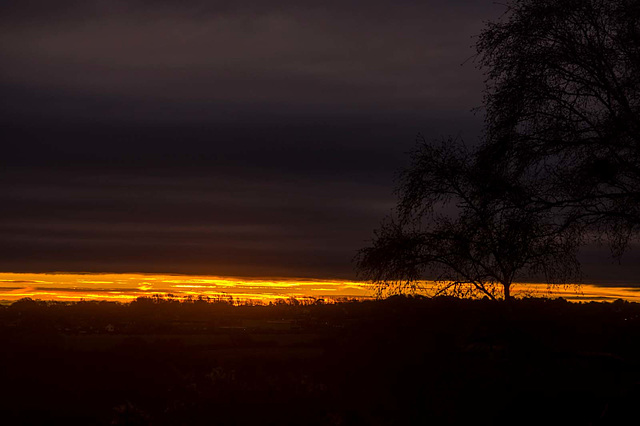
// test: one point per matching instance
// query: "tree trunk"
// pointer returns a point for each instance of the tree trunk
(507, 292)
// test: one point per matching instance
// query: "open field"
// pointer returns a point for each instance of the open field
(392, 362)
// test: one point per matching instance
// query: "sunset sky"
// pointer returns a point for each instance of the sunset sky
(254, 139)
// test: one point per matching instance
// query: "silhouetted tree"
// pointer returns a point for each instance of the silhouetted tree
(563, 109)
(559, 161)
(454, 225)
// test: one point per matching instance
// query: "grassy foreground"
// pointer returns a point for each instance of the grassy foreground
(399, 361)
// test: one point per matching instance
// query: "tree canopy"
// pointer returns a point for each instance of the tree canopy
(563, 105)
(559, 160)
(453, 227)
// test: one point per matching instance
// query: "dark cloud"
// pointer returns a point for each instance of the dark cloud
(288, 55)
(223, 137)
(82, 290)
(600, 267)
(224, 199)
(224, 225)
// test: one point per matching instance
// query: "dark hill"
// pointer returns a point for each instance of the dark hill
(398, 361)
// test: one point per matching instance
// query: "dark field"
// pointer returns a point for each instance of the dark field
(401, 361)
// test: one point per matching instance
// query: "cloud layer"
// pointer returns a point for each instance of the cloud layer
(259, 138)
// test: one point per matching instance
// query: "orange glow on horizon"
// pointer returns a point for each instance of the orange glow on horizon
(128, 287)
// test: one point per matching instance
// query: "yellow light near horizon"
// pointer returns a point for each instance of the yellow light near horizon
(127, 287)
(108, 286)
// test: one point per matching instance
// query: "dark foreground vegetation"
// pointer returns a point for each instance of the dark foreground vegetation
(398, 361)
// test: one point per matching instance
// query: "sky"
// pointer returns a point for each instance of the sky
(255, 138)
